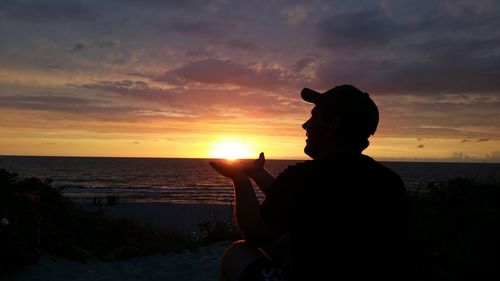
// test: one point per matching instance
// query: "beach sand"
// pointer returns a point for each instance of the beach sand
(193, 266)
(180, 217)
(200, 265)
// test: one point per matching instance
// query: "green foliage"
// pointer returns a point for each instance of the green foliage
(458, 230)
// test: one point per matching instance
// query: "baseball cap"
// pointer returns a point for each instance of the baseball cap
(354, 107)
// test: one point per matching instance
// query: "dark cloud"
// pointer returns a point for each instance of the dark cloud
(47, 11)
(483, 140)
(388, 50)
(119, 61)
(172, 4)
(420, 146)
(449, 114)
(214, 71)
(200, 28)
(299, 65)
(60, 103)
(139, 74)
(428, 77)
(453, 21)
(431, 132)
(108, 44)
(200, 52)
(242, 45)
(78, 48)
(131, 88)
(44, 102)
(460, 156)
(493, 157)
(360, 30)
(444, 116)
(87, 108)
(170, 78)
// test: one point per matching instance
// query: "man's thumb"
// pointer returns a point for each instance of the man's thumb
(261, 156)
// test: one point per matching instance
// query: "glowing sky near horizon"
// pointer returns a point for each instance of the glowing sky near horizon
(172, 78)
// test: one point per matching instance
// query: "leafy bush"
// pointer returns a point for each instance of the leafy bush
(458, 230)
(35, 218)
(218, 231)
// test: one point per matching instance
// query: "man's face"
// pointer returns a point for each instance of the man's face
(317, 131)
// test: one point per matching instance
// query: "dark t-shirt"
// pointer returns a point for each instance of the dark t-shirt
(347, 217)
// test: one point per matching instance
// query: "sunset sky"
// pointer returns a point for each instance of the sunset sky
(151, 78)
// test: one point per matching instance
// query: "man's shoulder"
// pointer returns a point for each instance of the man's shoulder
(299, 168)
(383, 171)
(377, 165)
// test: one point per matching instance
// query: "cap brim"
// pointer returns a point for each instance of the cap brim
(310, 95)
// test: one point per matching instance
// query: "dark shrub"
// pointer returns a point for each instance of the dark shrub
(458, 230)
(36, 218)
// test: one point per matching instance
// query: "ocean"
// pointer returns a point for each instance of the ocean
(170, 180)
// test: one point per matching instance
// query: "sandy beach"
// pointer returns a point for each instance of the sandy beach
(202, 264)
(180, 217)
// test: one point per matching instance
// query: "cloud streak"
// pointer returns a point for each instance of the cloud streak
(227, 72)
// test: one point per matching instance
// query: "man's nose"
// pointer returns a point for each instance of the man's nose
(304, 126)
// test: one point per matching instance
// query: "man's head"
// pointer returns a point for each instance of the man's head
(343, 118)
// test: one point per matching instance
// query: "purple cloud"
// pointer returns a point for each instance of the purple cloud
(135, 89)
(241, 45)
(48, 11)
(215, 71)
(200, 28)
(200, 52)
(360, 30)
(427, 77)
(78, 48)
(299, 65)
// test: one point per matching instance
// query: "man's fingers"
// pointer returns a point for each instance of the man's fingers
(216, 165)
(261, 159)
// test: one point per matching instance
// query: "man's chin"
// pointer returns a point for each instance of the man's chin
(308, 151)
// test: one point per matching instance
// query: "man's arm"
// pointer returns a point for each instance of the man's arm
(247, 206)
(247, 214)
(262, 178)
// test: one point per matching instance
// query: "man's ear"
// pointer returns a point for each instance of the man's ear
(333, 126)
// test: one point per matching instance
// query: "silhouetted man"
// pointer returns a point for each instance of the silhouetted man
(339, 216)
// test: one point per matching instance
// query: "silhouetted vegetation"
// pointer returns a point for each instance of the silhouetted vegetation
(210, 232)
(458, 230)
(35, 218)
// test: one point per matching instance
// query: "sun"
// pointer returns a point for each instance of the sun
(230, 150)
